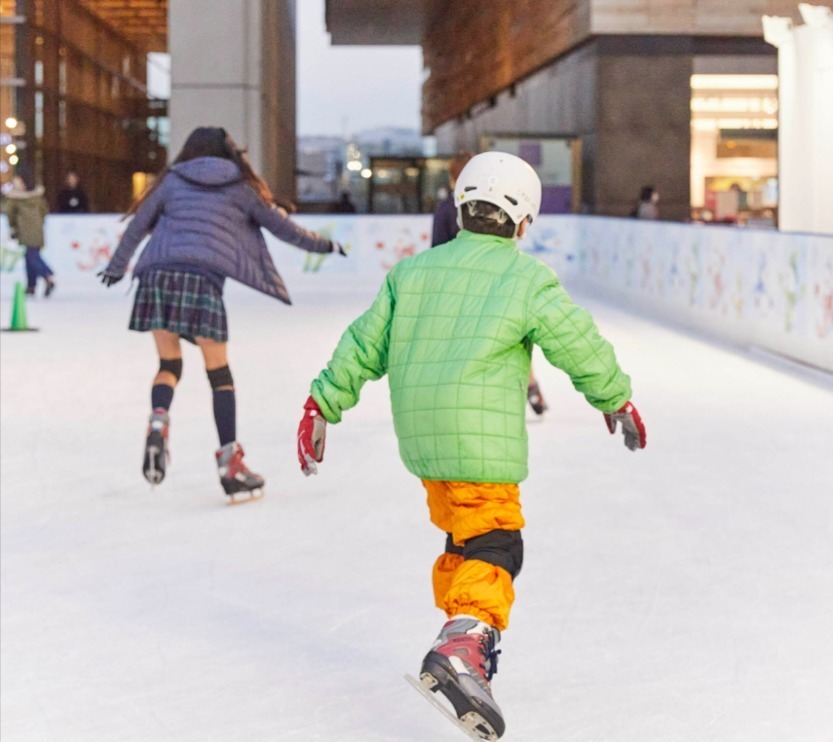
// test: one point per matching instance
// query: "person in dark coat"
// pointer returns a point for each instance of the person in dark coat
(344, 205)
(445, 225)
(647, 206)
(204, 214)
(72, 199)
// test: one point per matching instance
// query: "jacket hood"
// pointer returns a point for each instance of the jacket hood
(34, 193)
(208, 171)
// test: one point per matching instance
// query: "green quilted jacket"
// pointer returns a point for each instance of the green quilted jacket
(453, 328)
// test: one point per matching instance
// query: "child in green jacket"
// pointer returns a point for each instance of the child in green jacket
(454, 328)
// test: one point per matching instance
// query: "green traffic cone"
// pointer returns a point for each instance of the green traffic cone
(18, 323)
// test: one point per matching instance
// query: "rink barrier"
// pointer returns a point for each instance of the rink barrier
(759, 288)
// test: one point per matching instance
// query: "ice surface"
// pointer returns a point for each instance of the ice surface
(682, 593)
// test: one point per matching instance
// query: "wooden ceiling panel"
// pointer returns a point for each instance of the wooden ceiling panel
(143, 22)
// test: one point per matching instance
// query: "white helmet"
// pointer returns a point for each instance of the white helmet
(501, 179)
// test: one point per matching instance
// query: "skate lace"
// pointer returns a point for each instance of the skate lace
(235, 465)
(489, 654)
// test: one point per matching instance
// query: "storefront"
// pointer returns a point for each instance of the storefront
(734, 148)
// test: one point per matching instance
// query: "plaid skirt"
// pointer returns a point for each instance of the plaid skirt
(186, 304)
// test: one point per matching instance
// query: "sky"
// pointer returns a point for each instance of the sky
(346, 89)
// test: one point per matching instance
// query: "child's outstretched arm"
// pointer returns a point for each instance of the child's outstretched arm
(570, 341)
(361, 356)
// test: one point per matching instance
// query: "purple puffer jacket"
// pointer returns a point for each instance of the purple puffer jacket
(205, 215)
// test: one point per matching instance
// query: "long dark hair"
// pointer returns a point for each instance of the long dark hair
(214, 141)
(646, 193)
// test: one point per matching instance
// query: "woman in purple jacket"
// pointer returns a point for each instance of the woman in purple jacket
(204, 214)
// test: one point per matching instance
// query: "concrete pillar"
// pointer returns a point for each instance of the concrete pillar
(643, 131)
(805, 161)
(226, 71)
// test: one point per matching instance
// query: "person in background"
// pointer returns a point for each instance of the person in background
(26, 211)
(204, 215)
(453, 328)
(72, 199)
(648, 206)
(445, 229)
(344, 205)
(743, 196)
(445, 226)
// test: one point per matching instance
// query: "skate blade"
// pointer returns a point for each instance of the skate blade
(152, 474)
(472, 724)
(241, 498)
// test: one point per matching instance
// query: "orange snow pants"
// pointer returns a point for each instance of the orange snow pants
(466, 510)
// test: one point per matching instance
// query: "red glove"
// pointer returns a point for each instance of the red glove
(312, 433)
(632, 426)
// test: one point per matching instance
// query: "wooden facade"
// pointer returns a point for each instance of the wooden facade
(82, 101)
(474, 50)
(144, 23)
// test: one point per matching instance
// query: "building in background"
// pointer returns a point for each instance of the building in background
(73, 95)
(672, 93)
(233, 65)
(320, 165)
(74, 83)
(331, 166)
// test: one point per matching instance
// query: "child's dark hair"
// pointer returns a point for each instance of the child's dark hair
(485, 218)
(214, 141)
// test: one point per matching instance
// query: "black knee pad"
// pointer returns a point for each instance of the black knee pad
(172, 366)
(502, 548)
(451, 547)
(218, 377)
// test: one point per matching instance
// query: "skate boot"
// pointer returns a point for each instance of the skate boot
(234, 475)
(460, 665)
(156, 447)
(536, 399)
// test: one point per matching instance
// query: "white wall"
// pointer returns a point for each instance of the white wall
(751, 287)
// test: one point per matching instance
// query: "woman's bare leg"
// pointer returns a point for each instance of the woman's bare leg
(215, 354)
(169, 349)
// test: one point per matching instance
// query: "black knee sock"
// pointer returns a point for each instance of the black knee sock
(225, 415)
(161, 395)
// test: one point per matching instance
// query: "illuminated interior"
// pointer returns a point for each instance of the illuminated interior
(734, 147)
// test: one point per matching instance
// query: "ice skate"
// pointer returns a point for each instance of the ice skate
(460, 665)
(156, 447)
(536, 399)
(235, 477)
